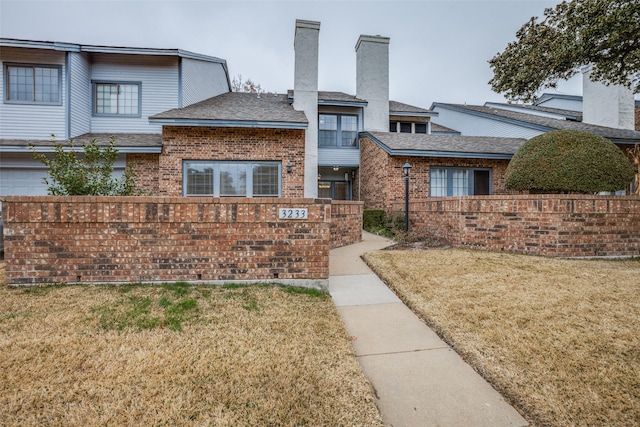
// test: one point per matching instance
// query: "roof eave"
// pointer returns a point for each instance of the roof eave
(342, 103)
(52, 149)
(431, 153)
(228, 123)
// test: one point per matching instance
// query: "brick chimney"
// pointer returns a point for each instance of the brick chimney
(305, 96)
(372, 80)
(611, 106)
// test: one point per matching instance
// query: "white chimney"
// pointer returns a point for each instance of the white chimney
(611, 106)
(372, 80)
(305, 96)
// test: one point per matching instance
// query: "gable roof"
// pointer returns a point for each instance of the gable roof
(543, 124)
(423, 145)
(236, 109)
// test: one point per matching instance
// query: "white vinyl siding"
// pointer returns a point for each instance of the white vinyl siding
(80, 96)
(202, 80)
(33, 121)
(158, 78)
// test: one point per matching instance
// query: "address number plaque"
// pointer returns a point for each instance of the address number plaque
(293, 213)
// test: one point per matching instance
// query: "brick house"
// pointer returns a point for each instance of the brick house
(182, 131)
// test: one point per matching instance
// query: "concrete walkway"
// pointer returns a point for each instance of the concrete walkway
(418, 380)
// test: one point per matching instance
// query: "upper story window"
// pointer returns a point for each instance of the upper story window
(447, 181)
(33, 84)
(116, 99)
(232, 179)
(408, 127)
(337, 130)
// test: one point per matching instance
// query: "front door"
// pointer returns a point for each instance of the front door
(336, 190)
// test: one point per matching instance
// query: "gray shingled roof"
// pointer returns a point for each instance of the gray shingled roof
(400, 108)
(446, 145)
(125, 142)
(442, 129)
(621, 136)
(241, 108)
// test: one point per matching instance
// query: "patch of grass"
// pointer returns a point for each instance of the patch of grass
(167, 309)
(224, 368)
(251, 305)
(315, 293)
(558, 338)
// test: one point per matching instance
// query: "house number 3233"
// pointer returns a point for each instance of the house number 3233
(293, 213)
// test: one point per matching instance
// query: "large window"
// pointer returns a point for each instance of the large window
(38, 84)
(338, 131)
(226, 179)
(446, 181)
(116, 99)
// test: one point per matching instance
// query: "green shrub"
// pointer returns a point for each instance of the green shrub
(373, 218)
(567, 161)
(85, 173)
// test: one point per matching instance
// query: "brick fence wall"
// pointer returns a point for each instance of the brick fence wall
(156, 239)
(553, 225)
(346, 223)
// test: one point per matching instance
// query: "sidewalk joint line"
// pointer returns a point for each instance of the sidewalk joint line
(446, 347)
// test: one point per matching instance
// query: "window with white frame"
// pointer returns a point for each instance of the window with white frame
(451, 181)
(37, 83)
(116, 99)
(337, 131)
(231, 179)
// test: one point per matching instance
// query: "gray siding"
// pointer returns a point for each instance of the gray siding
(160, 89)
(563, 104)
(338, 157)
(80, 96)
(473, 125)
(25, 121)
(202, 80)
(21, 175)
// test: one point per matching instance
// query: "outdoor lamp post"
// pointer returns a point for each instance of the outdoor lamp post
(406, 168)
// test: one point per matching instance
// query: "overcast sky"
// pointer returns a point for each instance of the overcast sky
(438, 50)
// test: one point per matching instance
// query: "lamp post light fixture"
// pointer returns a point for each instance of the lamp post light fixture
(406, 169)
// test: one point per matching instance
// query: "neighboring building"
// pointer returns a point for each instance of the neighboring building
(608, 111)
(82, 92)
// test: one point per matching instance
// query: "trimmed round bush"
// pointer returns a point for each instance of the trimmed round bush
(568, 161)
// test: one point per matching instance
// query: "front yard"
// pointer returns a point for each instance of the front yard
(558, 338)
(177, 355)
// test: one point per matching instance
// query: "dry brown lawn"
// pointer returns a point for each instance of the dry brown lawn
(559, 338)
(177, 355)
